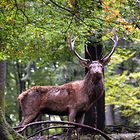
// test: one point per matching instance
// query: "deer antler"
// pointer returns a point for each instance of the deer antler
(115, 40)
(72, 42)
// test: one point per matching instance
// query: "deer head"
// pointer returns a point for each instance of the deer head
(95, 67)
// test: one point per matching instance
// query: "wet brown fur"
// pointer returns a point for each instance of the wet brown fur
(72, 99)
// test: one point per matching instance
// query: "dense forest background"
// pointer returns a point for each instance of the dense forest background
(34, 45)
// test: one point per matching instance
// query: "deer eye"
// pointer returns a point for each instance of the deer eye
(90, 67)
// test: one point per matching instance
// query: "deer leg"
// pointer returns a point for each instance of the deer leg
(28, 118)
(79, 119)
(72, 115)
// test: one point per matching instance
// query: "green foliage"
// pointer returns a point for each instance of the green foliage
(30, 27)
(122, 87)
(38, 31)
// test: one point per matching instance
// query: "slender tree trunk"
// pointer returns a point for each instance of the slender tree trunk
(6, 132)
(21, 83)
(2, 84)
(109, 114)
(101, 112)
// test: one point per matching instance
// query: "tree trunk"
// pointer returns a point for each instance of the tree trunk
(2, 84)
(109, 114)
(21, 84)
(6, 132)
(96, 115)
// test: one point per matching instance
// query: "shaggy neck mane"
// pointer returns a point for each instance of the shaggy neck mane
(93, 85)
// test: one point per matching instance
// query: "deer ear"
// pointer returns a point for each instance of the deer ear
(84, 63)
(105, 61)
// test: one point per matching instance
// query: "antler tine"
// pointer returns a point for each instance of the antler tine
(115, 40)
(86, 49)
(72, 42)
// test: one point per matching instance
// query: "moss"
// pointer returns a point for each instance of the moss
(6, 132)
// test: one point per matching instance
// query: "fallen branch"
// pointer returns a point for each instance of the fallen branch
(68, 123)
(132, 136)
(123, 128)
(52, 127)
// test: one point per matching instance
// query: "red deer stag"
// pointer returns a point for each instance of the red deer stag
(72, 99)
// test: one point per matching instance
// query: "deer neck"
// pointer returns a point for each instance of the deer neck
(93, 79)
(93, 86)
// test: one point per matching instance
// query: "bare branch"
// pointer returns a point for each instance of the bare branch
(20, 9)
(66, 9)
(68, 123)
(69, 25)
(51, 127)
